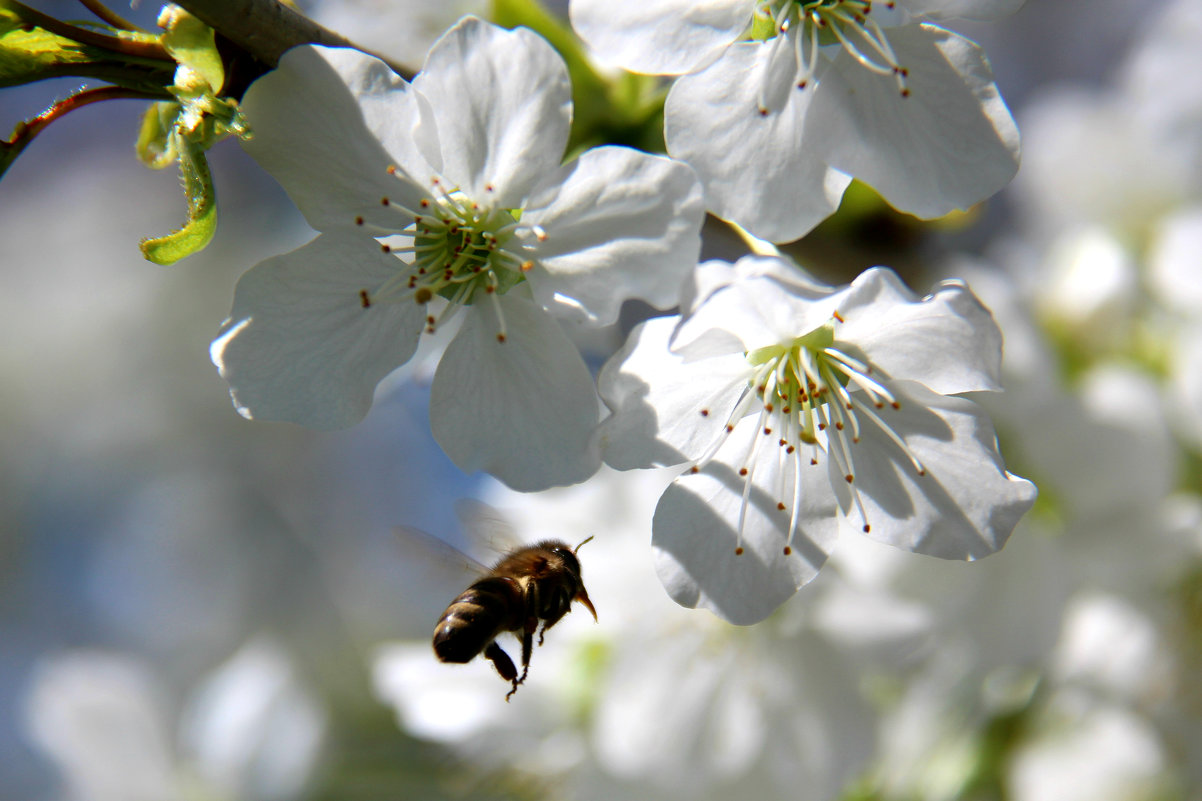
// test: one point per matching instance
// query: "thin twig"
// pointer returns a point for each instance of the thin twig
(109, 16)
(25, 131)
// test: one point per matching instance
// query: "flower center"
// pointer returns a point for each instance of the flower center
(849, 24)
(456, 252)
(814, 397)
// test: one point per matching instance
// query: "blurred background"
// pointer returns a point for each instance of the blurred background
(195, 606)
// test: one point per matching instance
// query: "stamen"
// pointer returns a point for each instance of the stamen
(893, 436)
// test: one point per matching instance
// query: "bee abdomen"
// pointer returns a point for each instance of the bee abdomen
(474, 619)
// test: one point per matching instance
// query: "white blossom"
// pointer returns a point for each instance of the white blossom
(807, 410)
(250, 731)
(782, 103)
(439, 198)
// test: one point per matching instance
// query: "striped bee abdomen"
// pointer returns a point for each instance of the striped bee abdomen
(474, 619)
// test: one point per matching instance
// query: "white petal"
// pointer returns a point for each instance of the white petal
(300, 347)
(614, 224)
(659, 37)
(311, 133)
(710, 276)
(947, 340)
(757, 311)
(656, 399)
(523, 410)
(101, 719)
(1185, 388)
(755, 168)
(966, 505)
(1175, 271)
(697, 520)
(950, 144)
(962, 9)
(503, 105)
(399, 30)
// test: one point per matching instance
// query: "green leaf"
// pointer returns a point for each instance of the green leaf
(34, 47)
(202, 209)
(193, 44)
(155, 145)
(29, 54)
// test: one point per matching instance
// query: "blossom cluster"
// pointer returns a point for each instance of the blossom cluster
(442, 201)
(201, 606)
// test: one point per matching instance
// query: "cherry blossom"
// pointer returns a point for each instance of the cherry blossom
(444, 198)
(782, 103)
(805, 410)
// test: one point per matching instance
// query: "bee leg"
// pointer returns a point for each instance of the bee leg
(527, 645)
(503, 664)
(548, 623)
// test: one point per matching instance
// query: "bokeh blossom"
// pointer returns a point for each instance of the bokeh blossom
(782, 103)
(446, 198)
(806, 410)
(251, 730)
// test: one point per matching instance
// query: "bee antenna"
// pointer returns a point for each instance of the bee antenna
(582, 542)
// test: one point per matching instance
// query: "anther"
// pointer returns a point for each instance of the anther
(788, 550)
(850, 478)
(742, 471)
(705, 412)
(364, 299)
(739, 551)
(500, 337)
(424, 295)
(383, 201)
(385, 248)
(358, 221)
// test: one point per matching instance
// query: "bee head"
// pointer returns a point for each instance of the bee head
(572, 563)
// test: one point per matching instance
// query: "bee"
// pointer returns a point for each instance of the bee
(531, 585)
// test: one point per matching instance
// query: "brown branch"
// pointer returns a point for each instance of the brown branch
(25, 131)
(263, 28)
(108, 15)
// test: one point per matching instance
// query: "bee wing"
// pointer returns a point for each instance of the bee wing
(436, 559)
(486, 527)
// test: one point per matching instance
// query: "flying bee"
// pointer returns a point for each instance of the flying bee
(528, 586)
(533, 584)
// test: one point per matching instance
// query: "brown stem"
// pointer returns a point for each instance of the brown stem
(264, 28)
(109, 16)
(26, 130)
